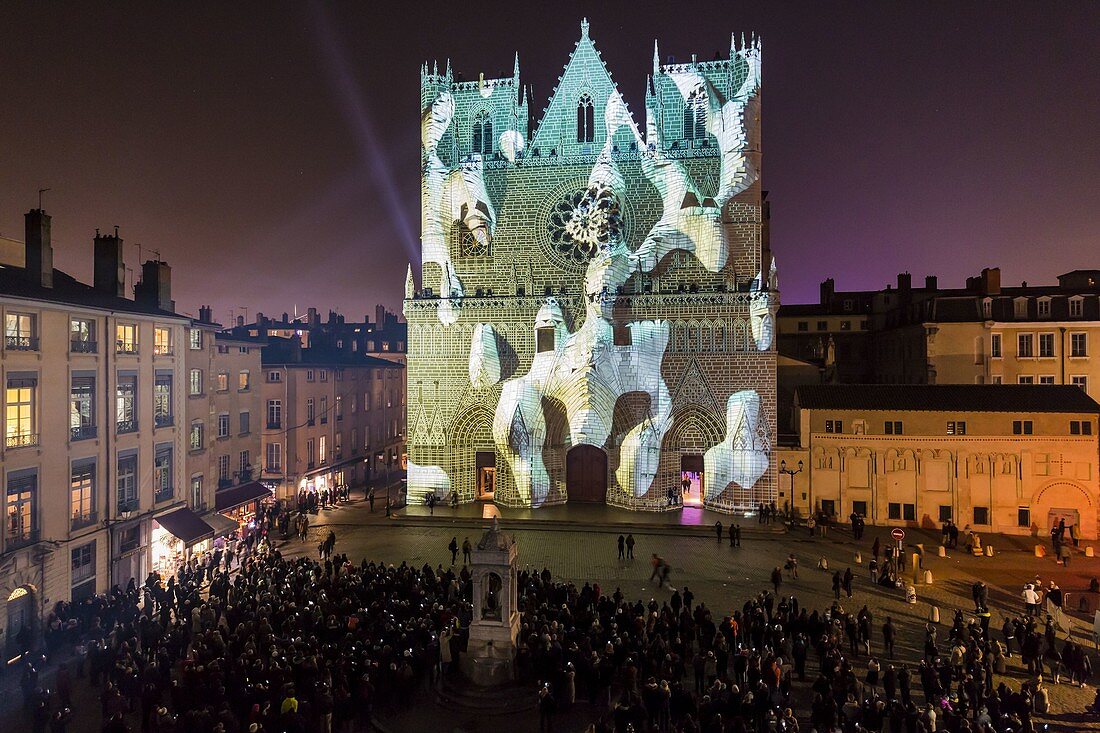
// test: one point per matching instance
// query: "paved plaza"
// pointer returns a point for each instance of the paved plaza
(720, 576)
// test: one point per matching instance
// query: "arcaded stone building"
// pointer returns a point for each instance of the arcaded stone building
(595, 315)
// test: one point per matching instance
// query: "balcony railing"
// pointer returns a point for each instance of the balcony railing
(162, 421)
(126, 426)
(21, 343)
(77, 346)
(225, 483)
(127, 506)
(162, 349)
(85, 520)
(324, 420)
(164, 494)
(311, 422)
(126, 347)
(82, 432)
(21, 440)
(274, 424)
(21, 538)
(310, 464)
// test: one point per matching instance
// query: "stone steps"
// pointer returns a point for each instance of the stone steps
(493, 701)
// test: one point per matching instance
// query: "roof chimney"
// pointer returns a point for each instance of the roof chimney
(991, 281)
(155, 288)
(828, 287)
(931, 282)
(206, 315)
(39, 252)
(905, 281)
(312, 318)
(110, 269)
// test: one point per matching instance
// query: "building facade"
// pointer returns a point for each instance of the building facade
(225, 405)
(984, 333)
(332, 418)
(93, 453)
(595, 315)
(1011, 459)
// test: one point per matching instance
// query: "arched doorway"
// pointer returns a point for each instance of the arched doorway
(586, 474)
(21, 621)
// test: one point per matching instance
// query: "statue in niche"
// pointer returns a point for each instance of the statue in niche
(490, 609)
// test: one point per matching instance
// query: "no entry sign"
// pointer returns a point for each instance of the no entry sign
(897, 533)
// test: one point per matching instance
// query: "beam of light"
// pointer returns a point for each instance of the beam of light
(349, 96)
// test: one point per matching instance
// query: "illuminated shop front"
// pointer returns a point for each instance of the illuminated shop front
(175, 537)
(239, 504)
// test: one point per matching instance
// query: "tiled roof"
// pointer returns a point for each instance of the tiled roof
(946, 397)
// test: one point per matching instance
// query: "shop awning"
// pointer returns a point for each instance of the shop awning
(223, 525)
(186, 525)
(236, 496)
(333, 466)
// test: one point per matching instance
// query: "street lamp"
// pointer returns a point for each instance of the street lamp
(788, 472)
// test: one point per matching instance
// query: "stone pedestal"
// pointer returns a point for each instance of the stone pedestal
(490, 658)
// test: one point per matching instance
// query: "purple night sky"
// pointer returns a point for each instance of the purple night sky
(270, 152)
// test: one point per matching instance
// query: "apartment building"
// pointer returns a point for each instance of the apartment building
(92, 460)
(1011, 459)
(984, 333)
(224, 409)
(332, 418)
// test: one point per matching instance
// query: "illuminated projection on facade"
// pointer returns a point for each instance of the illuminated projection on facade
(595, 318)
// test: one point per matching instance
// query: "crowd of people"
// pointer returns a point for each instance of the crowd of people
(267, 644)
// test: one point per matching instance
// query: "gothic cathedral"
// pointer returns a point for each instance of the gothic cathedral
(595, 320)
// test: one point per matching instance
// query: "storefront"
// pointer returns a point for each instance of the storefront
(239, 504)
(175, 536)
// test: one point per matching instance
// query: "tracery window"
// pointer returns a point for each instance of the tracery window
(695, 115)
(482, 133)
(586, 124)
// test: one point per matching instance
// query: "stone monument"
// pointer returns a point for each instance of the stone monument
(490, 659)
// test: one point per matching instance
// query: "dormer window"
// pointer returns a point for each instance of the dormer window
(1043, 307)
(586, 120)
(987, 308)
(695, 115)
(482, 142)
(1076, 307)
(1019, 308)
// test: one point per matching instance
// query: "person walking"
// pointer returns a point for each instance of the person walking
(848, 582)
(629, 546)
(889, 633)
(875, 549)
(777, 579)
(792, 565)
(656, 562)
(836, 585)
(370, 498)
(622, 547)
(718, 530)
(736, 535)
(453, 547)
(467, 548)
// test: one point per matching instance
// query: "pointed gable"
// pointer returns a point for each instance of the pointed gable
(585, 75)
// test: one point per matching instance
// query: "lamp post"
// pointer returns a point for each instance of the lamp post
(789, 472)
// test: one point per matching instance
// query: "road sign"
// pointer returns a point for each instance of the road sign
(897, 533)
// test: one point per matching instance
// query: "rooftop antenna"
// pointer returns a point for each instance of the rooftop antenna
(40, 192)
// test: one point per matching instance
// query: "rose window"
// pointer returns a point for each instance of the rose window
(583, 221)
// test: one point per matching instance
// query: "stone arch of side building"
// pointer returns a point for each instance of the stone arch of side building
(471, 434)
(1063, 497)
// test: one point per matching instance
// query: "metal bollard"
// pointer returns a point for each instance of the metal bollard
(942, 551)
(1040, 551)
(1089, 552)
(928, 577)
(859, 558)
(934, 614)
(989, 550)
(910, 594)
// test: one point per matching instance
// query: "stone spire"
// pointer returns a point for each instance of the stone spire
(656, 59)
(410, 286)
(584, 29)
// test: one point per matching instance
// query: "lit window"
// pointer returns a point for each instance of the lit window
(20, 412)
(194, 382)
(223, 381)
(243, 381)
(126, 338)
(695, 115)
(19, 332)
(82, 493)
(82, 336)
(162, 341)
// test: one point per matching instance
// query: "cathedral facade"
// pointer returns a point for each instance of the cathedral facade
(595, 315)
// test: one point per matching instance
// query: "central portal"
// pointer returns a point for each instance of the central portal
(586, 474)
